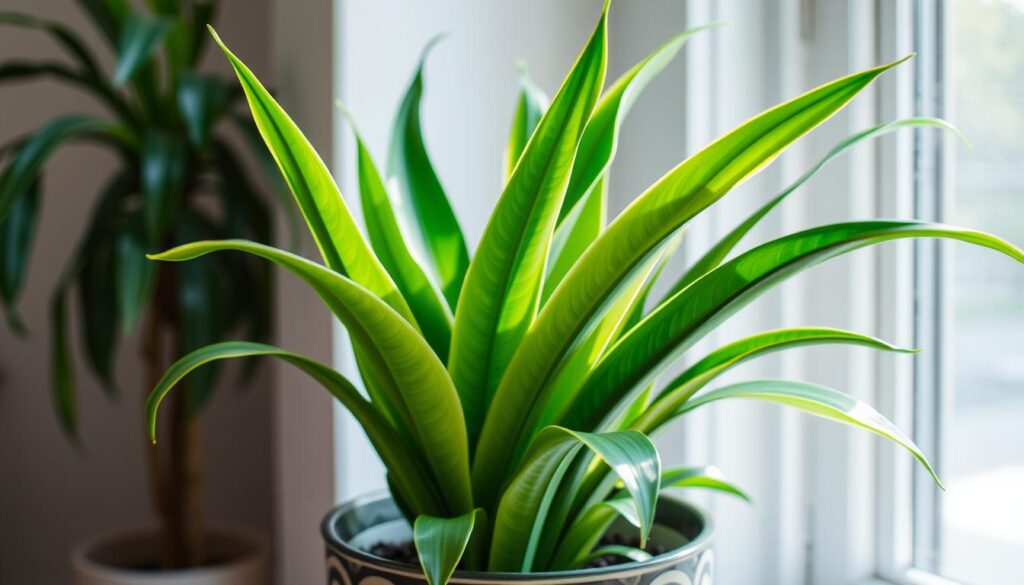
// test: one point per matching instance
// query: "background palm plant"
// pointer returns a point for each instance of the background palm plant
(511, 394)
(179, 178)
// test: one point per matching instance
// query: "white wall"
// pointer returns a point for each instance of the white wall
(51, 495)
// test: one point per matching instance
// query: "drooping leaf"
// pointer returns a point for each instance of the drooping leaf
(689, 382)
(69, 41)
(62, 375)
(16, 233)
(820, 401)
(390, 243)
(25, 166)
(401, 459)
(688, 315)
(334, 230)
(524, 504)
(590, 527)
(441, 542)
(422, 400)
(502, 290)
(718, 253)
(421, 193)
(531, 105)
(658, 213)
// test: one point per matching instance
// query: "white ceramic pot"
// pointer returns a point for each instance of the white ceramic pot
(121, 559)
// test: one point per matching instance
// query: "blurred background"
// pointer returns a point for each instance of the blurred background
(833, 506)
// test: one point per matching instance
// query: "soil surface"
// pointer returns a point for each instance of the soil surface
(405, 552)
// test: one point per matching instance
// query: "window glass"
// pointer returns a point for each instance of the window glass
(979, 535)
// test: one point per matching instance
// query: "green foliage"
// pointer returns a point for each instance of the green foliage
(517, 446)
(178, 180)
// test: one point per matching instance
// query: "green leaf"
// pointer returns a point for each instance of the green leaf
(654, 216)
(577, 231)
(25, 166)
(588, 529)
(109, 17)
(420, 192)
(684, 318)
(441, 542)
(141, 36)
(688, 383)
(600, 141)
(334, 230)
(526, 500)
(422, 399)
(389, 242)
(135, 275)
(820, 401)
(202, 99)
(16, 232)
(706, 477)
(163, 174)
(69, 41)
(97, 299)
(502, 289)
(203, 14)
(531, 105)
(62, 376)
(717, 254)
(400, 459)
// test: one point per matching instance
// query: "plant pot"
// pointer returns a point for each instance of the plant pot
(351, 529)
(237, 558)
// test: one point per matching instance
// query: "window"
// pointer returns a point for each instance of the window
(969, 305)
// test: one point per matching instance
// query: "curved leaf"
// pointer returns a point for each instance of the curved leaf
(141, 36)
(64, 36)
(530, 108)
(401, 461)
(686, 384)
(421, 193)
(202, 99)
(721, 250)
(820, 401)
(420, 396)
(388, 240)
(590, 527)
(24, 167)
(687, 316)
(334, 230)
(503, 285)
(441, 542)
(525, 502)
(574, 235)
(16, 233)
(662, 210)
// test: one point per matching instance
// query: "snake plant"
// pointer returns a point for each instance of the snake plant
(179, 176)
(511, 393)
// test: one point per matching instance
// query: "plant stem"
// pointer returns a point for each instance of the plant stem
(175, 467)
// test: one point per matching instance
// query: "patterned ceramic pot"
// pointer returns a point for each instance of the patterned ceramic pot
(353, 528)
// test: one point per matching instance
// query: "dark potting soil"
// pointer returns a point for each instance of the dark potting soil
(405, 552)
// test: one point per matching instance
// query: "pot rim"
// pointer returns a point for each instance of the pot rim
(699, 543)
(81, 553)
